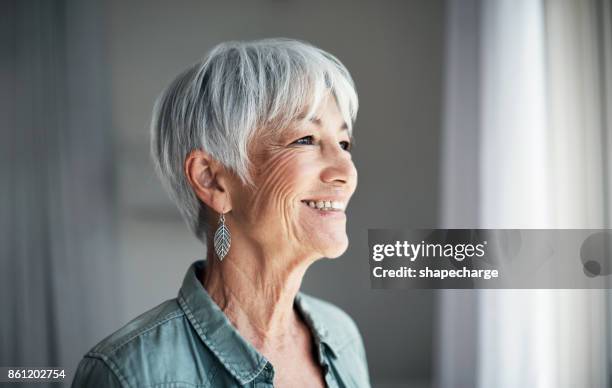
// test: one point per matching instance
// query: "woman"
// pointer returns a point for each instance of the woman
(253, 145)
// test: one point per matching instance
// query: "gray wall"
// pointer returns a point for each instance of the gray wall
(394, 52)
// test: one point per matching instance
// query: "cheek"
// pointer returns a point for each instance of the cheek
(277, 186)
(353, 179)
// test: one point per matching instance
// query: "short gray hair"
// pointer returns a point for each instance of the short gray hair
(218, 105)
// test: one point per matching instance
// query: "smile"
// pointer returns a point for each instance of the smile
(324, 205)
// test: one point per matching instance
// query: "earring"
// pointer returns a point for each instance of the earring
(223, 239)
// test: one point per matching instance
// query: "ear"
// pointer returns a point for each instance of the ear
(208, 179)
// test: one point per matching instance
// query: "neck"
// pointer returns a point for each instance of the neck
(256, 291)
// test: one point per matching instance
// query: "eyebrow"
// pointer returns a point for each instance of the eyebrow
(317, 121)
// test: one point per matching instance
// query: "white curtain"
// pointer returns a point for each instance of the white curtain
(58, 256)
(541, 135)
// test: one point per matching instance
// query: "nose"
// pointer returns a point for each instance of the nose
(339, 168)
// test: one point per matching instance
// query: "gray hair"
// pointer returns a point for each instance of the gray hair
(219, 104)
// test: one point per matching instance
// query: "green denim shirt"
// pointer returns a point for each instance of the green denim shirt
(189, 342)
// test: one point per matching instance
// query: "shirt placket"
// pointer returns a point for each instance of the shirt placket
(330, 379)
(265, 379)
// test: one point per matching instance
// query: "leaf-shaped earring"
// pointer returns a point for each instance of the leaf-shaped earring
(223, 239)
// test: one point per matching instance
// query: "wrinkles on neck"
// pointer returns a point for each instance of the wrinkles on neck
(256, 291)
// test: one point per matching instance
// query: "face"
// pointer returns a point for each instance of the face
(304, 178)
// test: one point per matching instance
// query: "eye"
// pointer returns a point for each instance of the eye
(346, 145)
(306, 140)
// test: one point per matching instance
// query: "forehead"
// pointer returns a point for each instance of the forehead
(326, 116)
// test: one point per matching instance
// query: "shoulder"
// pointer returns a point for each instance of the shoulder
(155, 319)
(140, 352)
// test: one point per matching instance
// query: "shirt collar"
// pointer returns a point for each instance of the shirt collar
(316, 322)
(237, 355)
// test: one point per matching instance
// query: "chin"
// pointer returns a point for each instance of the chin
(336, 250)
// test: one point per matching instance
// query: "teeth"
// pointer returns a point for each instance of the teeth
(325, 205)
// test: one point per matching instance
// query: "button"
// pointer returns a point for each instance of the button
(269, 372)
